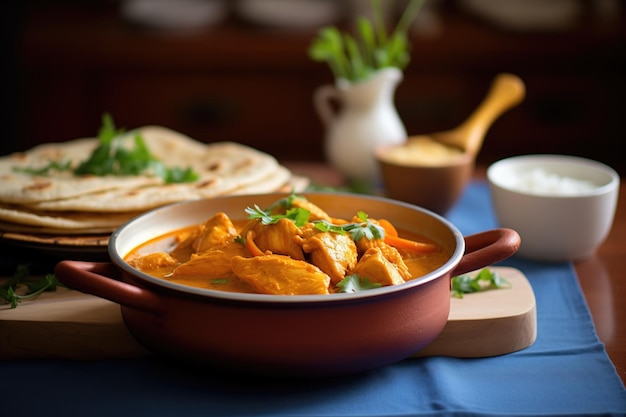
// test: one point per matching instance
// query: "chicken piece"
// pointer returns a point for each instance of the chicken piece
(393, 255)
(307, 231)
(254, 224)
(152, 261)
(316, 212)
(280, 275)
(389, 252)
(280, 238)
(333, 253)
(213, 263)
(186, 242)
(218, 231)
(374, 266)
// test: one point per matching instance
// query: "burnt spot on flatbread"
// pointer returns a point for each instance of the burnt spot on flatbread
(208, 183)
(215, 167)
(38, 186)
(132, 193)
(19, 157)
(50, 153)
(247, 162)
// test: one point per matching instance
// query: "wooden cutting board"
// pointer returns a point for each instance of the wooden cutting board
(71, 325)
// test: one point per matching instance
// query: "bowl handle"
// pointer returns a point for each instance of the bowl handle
(101, 279)
(486, 248)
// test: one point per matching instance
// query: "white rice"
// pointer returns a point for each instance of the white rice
(539, 181)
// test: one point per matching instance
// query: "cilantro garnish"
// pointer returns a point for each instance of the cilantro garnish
(111, 158)
(354, 283)
(52, 165)
(285, 203)
(178, 175)
(34, 287)
(483, 281)
(364, 228)
(298, 215)
(324, 226)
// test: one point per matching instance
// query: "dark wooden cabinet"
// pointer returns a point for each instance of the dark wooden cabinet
(235, 81)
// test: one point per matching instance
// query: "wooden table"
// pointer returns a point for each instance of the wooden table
(602, 277)
(603, 281)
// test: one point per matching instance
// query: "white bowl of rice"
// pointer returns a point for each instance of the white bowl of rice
(562, 206)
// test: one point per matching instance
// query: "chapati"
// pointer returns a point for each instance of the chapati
(58, 200)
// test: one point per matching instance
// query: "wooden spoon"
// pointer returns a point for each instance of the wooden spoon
(431, 170)
(506, 91)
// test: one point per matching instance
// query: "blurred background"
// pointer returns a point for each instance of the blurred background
(239, 70)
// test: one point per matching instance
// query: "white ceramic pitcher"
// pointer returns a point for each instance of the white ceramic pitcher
(358, 118)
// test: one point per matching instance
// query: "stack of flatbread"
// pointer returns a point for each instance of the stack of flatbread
(60, 202)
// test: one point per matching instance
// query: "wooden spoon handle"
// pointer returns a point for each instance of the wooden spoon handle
(506, 91)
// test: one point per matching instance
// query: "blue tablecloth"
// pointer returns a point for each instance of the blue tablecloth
(566, 372)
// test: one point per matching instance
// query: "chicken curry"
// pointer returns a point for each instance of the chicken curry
(292, 247)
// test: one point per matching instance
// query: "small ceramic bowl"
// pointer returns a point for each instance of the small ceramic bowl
(562, 206)
(434, 185)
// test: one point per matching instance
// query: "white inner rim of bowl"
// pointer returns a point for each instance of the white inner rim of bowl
(134, 233)
(566, 171)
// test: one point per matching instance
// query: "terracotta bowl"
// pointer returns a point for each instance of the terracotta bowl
(302, 335)
(436, 187)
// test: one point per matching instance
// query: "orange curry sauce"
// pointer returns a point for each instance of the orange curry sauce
(151, 258)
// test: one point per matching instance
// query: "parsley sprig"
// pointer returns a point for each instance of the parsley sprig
(483, 281)
(10, 291)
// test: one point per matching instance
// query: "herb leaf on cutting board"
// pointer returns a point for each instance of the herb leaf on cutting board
(485, 280)
(22, 286)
